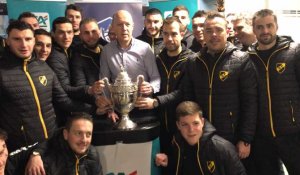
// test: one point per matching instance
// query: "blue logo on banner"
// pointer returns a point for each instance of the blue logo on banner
(104, 26)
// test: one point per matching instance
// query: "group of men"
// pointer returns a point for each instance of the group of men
(248, 96)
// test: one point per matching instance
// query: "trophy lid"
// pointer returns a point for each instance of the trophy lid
(123, 79)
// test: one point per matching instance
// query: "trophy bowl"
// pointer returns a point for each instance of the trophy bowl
(123, 95)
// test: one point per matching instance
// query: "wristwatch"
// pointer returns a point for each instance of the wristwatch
(155, 103)
(35, 153)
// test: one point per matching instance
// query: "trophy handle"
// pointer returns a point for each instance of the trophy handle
(105, 79)
(139, 80)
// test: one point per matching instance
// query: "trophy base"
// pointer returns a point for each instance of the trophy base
(126, 123)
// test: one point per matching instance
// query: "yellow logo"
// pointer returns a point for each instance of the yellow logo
(43, 80)
(223, 75)
(280, 67)
(211, 166)
(176, 74)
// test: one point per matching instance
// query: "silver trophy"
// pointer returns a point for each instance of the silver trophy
(123, 95)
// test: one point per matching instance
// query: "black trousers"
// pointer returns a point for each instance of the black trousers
(268, 151)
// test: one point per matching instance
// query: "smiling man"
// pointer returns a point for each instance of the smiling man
(222, 80)
(43, 44)
(69, 151)
(197, 149)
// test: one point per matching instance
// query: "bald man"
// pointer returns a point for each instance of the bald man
(134, 55)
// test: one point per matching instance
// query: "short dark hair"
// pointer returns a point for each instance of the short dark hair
(171, 19)
(73, 7)
(188, 108)
(199, 14)
(88, 20)
(263, 13)
(26, 15)
(3, 135)
(179, 8)
(77, 116)
(59, 20)
(153, 11)
(19, 25)
(214, 14)
(42, 32)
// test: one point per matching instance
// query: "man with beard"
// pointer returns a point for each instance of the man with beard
(85, 62)
(152, 30)
(74, 14)
(222, 80)
(171, 66)
(242, 26)
(198, 27)
(182, 13)
(277, 61)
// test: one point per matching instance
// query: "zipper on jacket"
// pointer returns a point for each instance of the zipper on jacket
(178, 159)
(198, 158)
(77, 170)
(231, 119)
(152, 46)
(210, 83)
(168, 82)
(93, 61)
(292, 112)
(37, 101)
(24, 134)
(268, 87)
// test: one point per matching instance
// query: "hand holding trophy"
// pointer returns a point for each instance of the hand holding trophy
(123, 96)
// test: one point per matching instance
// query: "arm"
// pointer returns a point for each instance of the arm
(104, 68)
(60, 67)
(61, 98)
(152, 70)
(229, 159)
(248, 95)
(77, 71)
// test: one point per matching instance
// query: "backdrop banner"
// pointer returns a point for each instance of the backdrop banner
(103, 12)
(45, 11)
(166, 6)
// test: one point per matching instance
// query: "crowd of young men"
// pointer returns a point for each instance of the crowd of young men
(248, 95)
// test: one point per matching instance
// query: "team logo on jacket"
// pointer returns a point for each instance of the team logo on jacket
(211, 166)
(176, 74)
(280, 67)
(223, 75)
(43, 80)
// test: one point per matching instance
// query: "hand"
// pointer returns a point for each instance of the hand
(35, 166)
(243, 149)
(113, 116)
(145, 89)
(97, 88)
(144, 103)
(161, 160)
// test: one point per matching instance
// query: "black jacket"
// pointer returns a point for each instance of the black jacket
(216, 156)
(225, 86)
(188, 39)
(59, 159)
(27, 90)
(155, 43)
(196, 46)
(85, 65)
(59, 61)
(279, 90)
(169, 87)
